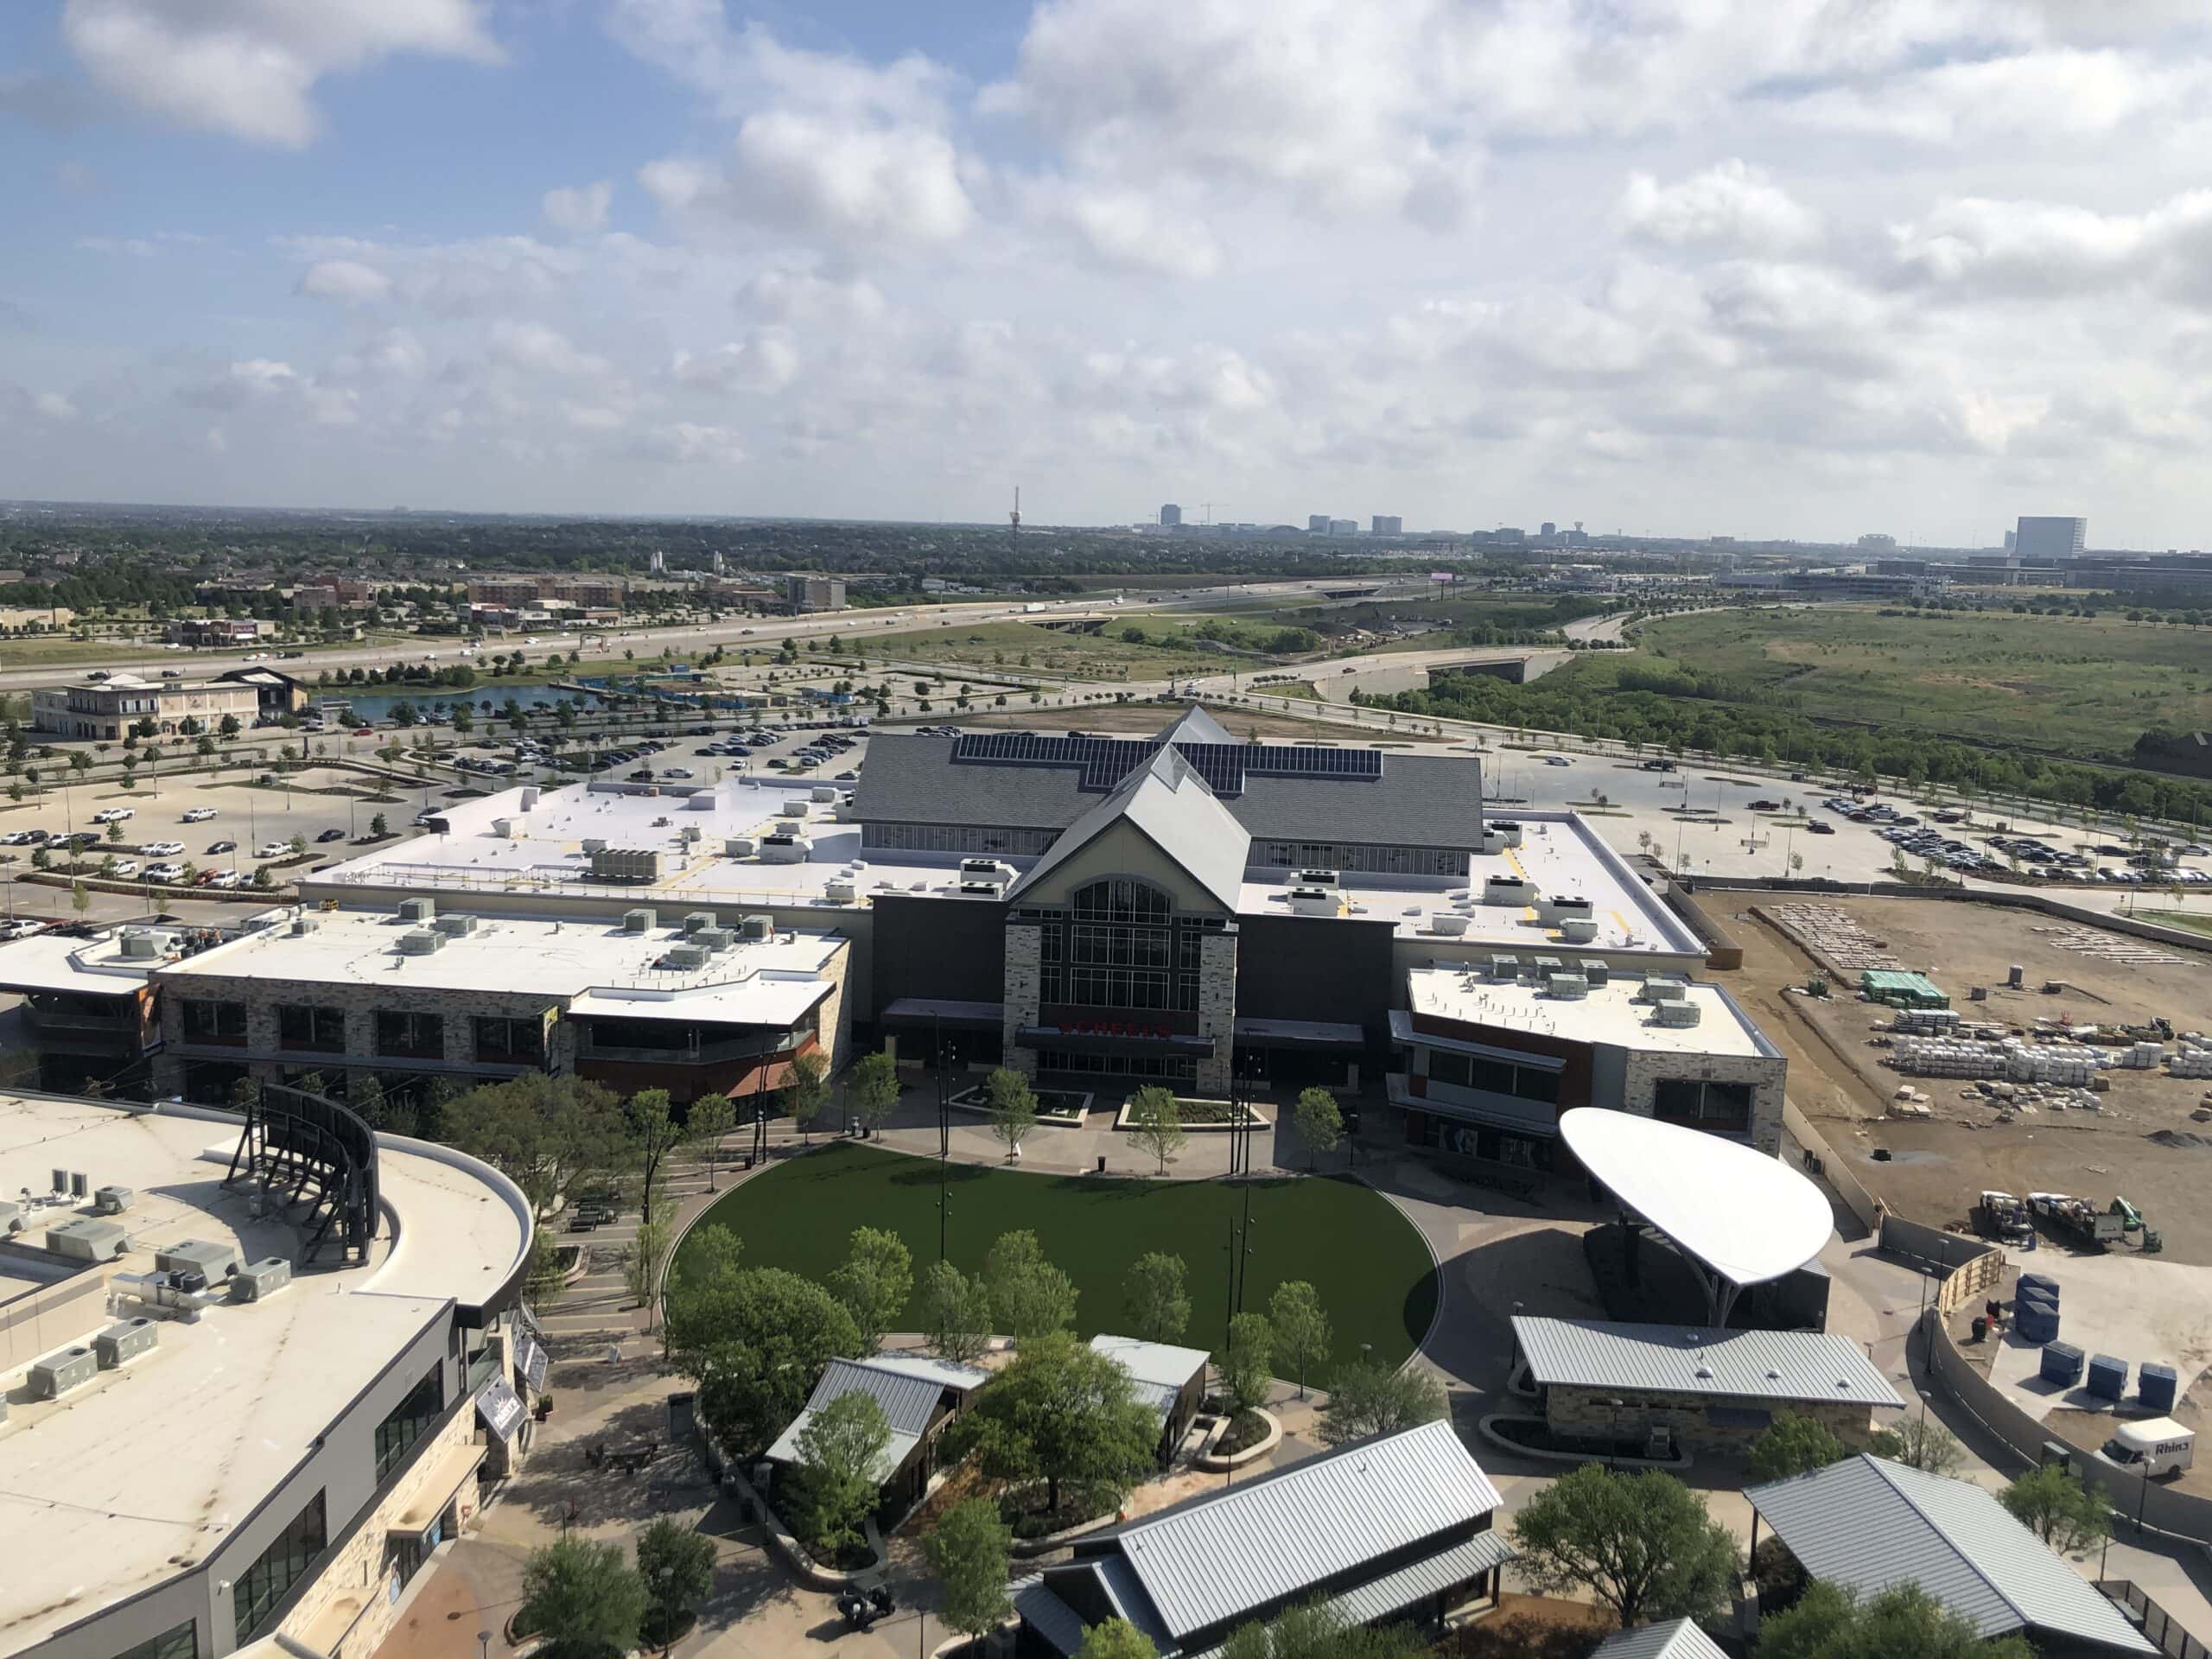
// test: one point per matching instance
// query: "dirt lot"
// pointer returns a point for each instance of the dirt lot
(1936, 1166)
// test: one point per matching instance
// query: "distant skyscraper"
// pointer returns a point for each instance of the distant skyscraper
(1548, 528)
(658, 562)
(1317, 523)
(2011, 540)
(1170, 514)
(2042, 541)
(1341, 526)
(721, 565)
(1386, 523)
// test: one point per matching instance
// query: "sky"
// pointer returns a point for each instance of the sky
(1800, 267)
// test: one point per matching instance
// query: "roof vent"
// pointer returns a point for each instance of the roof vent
(421, 941)
(1705, 1373)
(303, 925)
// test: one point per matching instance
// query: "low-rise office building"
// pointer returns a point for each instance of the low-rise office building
(113, 707)
(231, 1416)
(1168, 1378)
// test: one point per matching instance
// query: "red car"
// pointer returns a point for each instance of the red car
(364, 731)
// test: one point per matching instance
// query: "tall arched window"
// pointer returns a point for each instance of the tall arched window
(1122, 949)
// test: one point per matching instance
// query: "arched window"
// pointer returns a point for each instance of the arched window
(1121, 950)
(1121, 898)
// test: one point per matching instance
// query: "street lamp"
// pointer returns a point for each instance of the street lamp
(1613, 1438)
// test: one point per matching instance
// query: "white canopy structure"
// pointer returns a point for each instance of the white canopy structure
(1741, 1217)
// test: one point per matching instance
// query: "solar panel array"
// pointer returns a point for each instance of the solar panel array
(1105, 762)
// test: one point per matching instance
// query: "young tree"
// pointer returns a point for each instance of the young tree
(1319, 1123)
(712, 1117)
(584, 1598)
(1794, 1446)
(1303, 1337)
(2062, 1512)
(677, 1566)
(1115, 1639)
(648, 1254)
(653, 1135)
(1365, 1398)
(1013, 1109)
(842, 1469)
(875, 1283)
(874, 1089)
(365, 1100)
(1918, 1443)
(1156, 1122)
(1641, 1543)
(1156, 1297)
(1316, 1631)
(80, 897)
(1062, 1414)
(1244, 1360)
(969, 1550)
(1903, 1621)
(955, 1313)
(805, 1093)
(1029, 1295)
(379, 826)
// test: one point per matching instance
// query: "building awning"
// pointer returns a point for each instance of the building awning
(1108, 1038)
(453, 1466)
(500, 1407)
(1496, 1111)
(1300, 1033)
(1401, 1031)
(944, 1011)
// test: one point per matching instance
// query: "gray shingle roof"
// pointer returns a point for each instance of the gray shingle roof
(1251, 1547)
(1678, 1638)
(1868, 1524)
(1171, 805)
(1780, 1365)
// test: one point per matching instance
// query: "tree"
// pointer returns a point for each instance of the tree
(551, 1135)
(1792, 1445)
(584, 1598)
(1918, 1443)
(299, 844)
(1014, 1108)
(1316, 1631)
(1320, 1122)
(1365, 1399)
(678, 1568)
(754, 1339)
(1115, 1639)
(712, 1118)
(955, 1313)
(2061, 1510)
(1156, 1297)
(1156, 1122)
(874, 1089)
(969, 1550)
(648, 1252)
(80, 897)
(1244, 1360)
(1062, 1414)
(652, 1135)
(115, 829)
(1030, 1297)
(1641, 1543)
(364, 1099)
(841, 1473)
(875, 1283)
(804, 1093)
(1303, 1337)
(379, 826)
(1903, 1621)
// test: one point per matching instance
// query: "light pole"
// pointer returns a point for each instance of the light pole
(1613, 1438)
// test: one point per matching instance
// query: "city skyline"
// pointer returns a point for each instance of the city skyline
(1746, 272)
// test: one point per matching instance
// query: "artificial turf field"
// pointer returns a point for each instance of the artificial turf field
(1366, 1261)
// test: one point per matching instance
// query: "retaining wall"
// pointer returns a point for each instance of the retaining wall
(1834, 1170)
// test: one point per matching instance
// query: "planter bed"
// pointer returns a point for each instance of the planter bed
(1532, 1437)
(1056, 1107)
(1200, 1116)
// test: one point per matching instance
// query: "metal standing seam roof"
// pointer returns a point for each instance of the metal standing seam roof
(1208, 1561)
(1867, 1524)
(1783, 1365)
(1678, 1638)
(1392, 1593)
(945, 1373)
(1171, 805)
(908, 1402)
(1161, 1363)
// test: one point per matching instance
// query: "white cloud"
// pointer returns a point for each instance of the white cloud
(2052, 248)
(136, 246)
(54, 406)
(249, 68)
(578, 210)
(541, 350)
(1734, 206)
(688, 443)
(766, 363)
(1133, 230)
(347, 281)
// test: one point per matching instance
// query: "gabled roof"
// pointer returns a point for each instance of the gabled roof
(1170, 805)
(1678, 1638)
(1784, 1365)
(1867, 1524)
(946, 1373)
(908, 1402)
(1152, 1361)
(1195, 725)
(1223, 1555)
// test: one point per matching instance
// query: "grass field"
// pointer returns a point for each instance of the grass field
(2085, 685)
(1369, 1266)
(2194, 921)
(1103, 656)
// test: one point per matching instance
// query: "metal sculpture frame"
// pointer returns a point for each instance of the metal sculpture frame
(306, 1149)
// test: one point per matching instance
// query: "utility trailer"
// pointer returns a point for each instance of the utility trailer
(2077, 1221)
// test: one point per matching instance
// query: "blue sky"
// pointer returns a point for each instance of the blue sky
(1756, 267)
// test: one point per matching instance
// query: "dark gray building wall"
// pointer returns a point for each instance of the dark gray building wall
(1325, 967)
(949, 949)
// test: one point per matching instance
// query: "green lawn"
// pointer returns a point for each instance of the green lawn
(2086, 685)
(1365, 1259)
(1102, 656)
(2193, 921)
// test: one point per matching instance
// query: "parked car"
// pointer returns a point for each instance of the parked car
(23, 930)
(163, 849)
(224, 879)
(1821, 827)
(272, 850)
(113, 815)
(165, 872)
(199, 814)
(122, 867)
(331, 834)
(222, 847)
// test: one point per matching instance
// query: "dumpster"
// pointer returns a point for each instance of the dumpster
(2107, 1376)
(2062, 1364)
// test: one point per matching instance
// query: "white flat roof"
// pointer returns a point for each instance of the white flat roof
(1747, 1216)
(1610, 1014)
(1161, 1363)
(54, 962)
(602, 968)
(126, 1479)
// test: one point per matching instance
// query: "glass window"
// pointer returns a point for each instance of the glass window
(1725, 1106)
(515, 1041)
(179, 1642)
(262, 1587)
(1448, 1068)
(209, 1021)
(410, 1033)
(302, 1026)
(410, 1420)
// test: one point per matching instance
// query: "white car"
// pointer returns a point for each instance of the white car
(199, 815)
(225, 878)
(21, 930)
(163, 849)
(17, 838)
(113, 815)
(123, 866)
(165, 872)
(272, 850)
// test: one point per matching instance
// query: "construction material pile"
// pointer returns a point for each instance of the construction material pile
(2011, 1060)
(1827, 932)
(2194, 1057)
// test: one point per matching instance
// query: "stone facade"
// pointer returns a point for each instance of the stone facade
(1645, 1068)
(1218, 1010)
(1024, 980)
(1572, 1411)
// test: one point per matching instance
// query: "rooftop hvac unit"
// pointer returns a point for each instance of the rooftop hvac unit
(1680, 1014)
(738, 847)
(637, 921)
(80, 1185)
(1560, 905)
(594, 844)
(1505, 831)
(1505, 890)
(787, 848)
(57, 1374)
(756, 929)
(125, 1341)
(1597, 972)
(11, 1219)
(625, 864)
(1447, 921)
(1315, 879)
(690, 835)
(985, 869)
(303, 925)
(503, 829)
(259, 1280)
(824, 793)
(1314, 901)
(417, 910)
(1577, 930)
(1506, 969)
(979, 887)
(218, 1262)
(1572, 986)
(685, 958)
(1545, 965)
(1661, 988)
(528, 796)
(696, 921)
(840, 892)
(421, 941)
(144, 944)
(455, 927)
(88, 1240)
(700, 800)
(793, 809)
(113, 1200)
(713, 940)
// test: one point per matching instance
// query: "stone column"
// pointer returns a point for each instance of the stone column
(1023, 973)
(1218, 1010)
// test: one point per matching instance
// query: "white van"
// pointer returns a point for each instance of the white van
(2155, 1446)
